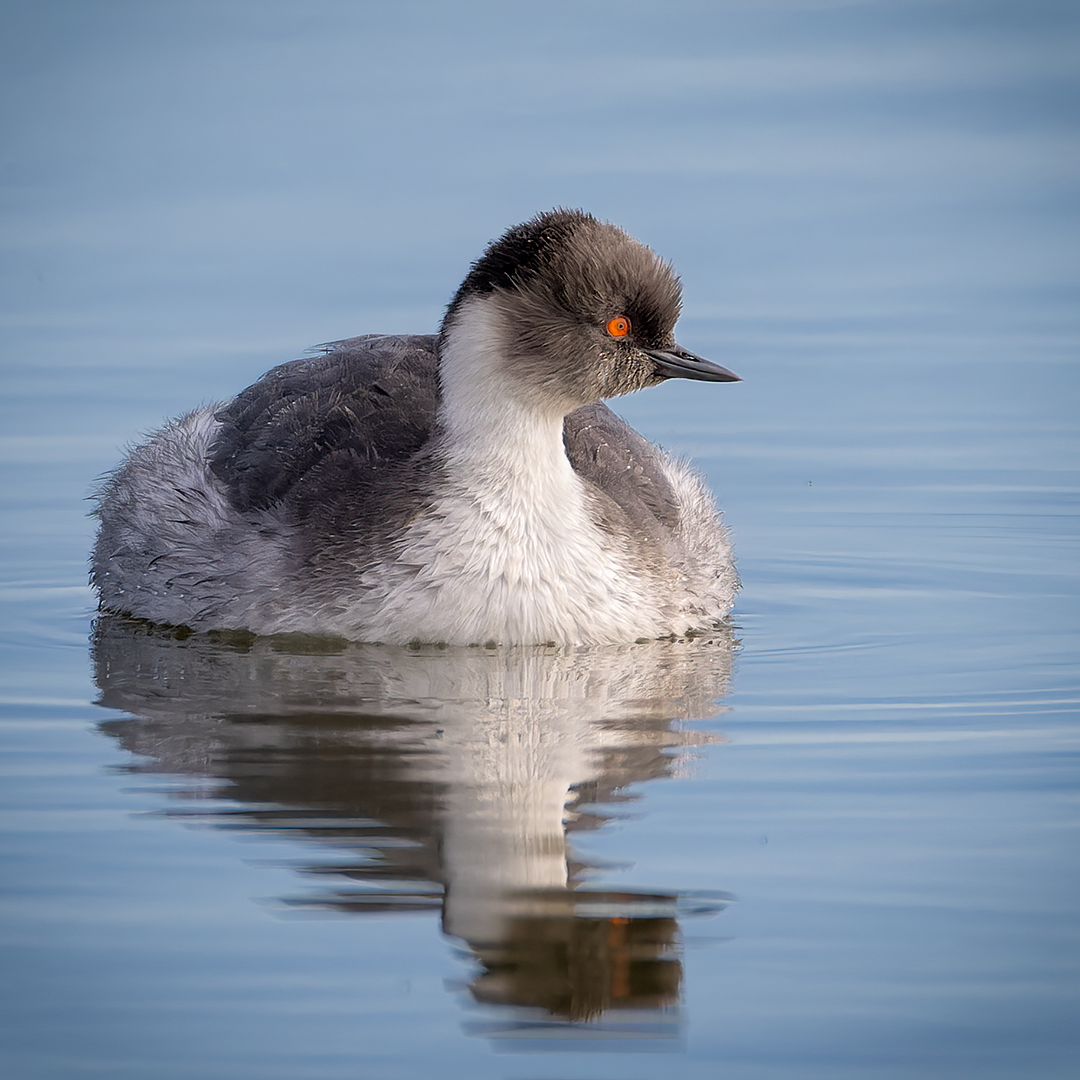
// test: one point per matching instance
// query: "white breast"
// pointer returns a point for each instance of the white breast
(485, 564)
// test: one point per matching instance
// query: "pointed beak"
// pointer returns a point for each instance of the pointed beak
(677, 363)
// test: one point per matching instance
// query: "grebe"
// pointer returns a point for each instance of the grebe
(464, 488)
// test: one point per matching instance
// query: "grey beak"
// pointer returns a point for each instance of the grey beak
(677, 363)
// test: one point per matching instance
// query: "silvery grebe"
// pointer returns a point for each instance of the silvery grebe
(463, 488)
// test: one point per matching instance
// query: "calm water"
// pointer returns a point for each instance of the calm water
(839, 840)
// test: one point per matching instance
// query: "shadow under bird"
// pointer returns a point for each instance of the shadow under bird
(464, 488)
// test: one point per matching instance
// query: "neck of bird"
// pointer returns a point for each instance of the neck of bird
(501, 441)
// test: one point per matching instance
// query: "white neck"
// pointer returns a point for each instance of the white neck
(505, 447)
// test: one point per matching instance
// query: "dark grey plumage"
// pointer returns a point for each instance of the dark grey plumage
(367, 402)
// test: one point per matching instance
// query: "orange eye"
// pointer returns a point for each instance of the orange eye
(619, 326)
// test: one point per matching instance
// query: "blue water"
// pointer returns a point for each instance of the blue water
(839, 840)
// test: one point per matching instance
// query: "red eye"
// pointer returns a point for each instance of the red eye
(619, 326)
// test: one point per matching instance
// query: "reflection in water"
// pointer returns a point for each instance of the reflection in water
(450, 778)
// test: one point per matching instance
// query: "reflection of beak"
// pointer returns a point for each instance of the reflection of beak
(678, 363)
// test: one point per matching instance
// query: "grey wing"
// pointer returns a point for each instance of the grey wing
(327, 423)
(613, 458)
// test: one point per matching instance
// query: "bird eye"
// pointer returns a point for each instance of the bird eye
(619, 326)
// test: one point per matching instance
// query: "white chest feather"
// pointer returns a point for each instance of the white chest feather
(510, 552)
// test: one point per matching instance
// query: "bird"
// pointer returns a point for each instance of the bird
(468, 487)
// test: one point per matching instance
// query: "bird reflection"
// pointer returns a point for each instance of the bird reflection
(448, 779)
